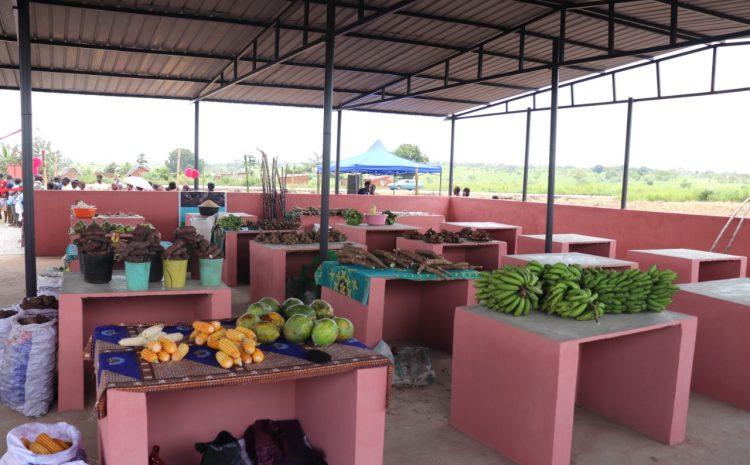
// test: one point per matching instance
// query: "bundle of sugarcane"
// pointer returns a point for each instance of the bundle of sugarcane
(351, 255)
(420, 261)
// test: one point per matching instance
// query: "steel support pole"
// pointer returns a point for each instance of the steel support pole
(338, 150)
(552, 146)
(626, 165)
(450, 165)
(27, 154)
(525, 191)
(196, 162)
(327, 117)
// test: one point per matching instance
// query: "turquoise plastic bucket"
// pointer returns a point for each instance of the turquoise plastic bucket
(211, 271)
(136, 275)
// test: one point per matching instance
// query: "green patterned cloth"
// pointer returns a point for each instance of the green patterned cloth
(354, 281)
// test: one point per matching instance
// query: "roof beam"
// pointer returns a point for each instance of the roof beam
(708, 12)
(310, 45)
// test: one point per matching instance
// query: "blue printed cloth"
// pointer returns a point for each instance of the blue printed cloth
(353, 281)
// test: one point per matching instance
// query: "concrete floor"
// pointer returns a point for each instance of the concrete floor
(417, 429)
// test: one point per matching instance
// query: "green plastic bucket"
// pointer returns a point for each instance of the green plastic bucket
(210, 269)
(175, 273)
(136, 275)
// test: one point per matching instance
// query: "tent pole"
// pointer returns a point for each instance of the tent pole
(338, 150)
(327, 116)
(440, 186)
(626, 164)
(552, 146)
(27, 149)
(450, 166)
(196, 149)
(416, 182)
(525, 190)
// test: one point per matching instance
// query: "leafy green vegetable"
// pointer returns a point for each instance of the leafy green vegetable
(391, 217)
(353, 217)
(231, 222)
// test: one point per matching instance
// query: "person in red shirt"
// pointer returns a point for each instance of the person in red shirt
(3, 199)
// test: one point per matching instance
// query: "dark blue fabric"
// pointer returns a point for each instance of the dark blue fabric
(123, 363)
(110, 333)
(378, 160)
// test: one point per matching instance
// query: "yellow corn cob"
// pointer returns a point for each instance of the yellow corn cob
(37, 448)
(216, 324)
(26, 443)
(224, 359)
(201, 339)
(213, 342)
(167, 345)
(248, 346)
(149, 356)
(192, 336)
(249, 333)
(237, 361)
(258, 356)
(182, 351)
(163, 356)
(228, 346)
(64, 445)
(204, 327)
(235, 335)
(49, 443)
(246, 358)
(154, 346)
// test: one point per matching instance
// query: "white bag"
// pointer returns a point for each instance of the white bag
(5, 325)
(18, 454)
(27, 374)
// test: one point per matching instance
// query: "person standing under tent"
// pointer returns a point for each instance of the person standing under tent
(467, 191)
(457, 191)
(365, 190)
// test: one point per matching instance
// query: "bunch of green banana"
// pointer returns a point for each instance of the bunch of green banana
(510, 289)
(580, 304)
(662, 289)
(535, 267)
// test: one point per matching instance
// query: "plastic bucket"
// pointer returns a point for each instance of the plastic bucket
(136, 275)
(157, 269)
(97, 269)
(211, 271)
(175, 273)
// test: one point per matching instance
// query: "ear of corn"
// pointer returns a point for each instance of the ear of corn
(49, 443)
(235, 335)
(249, 333)
(182, 351)
(204, 327)
(26, 443)
(258, 356)
(237, 361)
(64, 445)
(228, 346)
(167, 345)
(149, 356)
(164, 356)
(192, 336)
(246, 358)
(216, 325)
(224, 359)
(213, 342)
(37, 448)
(154, 346)
(248, 346)
(201, 339)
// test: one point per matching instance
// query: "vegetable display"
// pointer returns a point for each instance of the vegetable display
(391, 217)
(571, 291)
(45, 444)
(234, 346)
(94, 241)
(473, 235)
(353, 217)
(433, 237)
(419, 261)
(273, 225)
(301, 237)
(231, 222)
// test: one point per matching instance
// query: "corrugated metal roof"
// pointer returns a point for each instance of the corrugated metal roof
(175, 48)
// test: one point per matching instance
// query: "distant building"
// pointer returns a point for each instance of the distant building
(137, 170)
(297, 179)
(381, 181)
(69, 172)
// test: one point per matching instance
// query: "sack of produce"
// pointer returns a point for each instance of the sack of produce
(283, 442)
(27, 373)
(6, 317)
(224, 450)
(413, 367)
(44, 444)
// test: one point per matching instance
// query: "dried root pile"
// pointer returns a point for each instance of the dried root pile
(433, 237)
(39, 302)
(137, 252)
(476, 236)
(94, 241)
(298, 237)
(419, 261)
(177, 251)
(272, 225)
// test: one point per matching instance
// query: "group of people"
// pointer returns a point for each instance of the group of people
(62, 183)
(11, 200)
(457, 192)
(368, 189)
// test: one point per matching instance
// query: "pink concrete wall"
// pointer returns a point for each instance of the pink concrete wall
(630, 228)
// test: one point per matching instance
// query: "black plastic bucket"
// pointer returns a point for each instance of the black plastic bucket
(157, 268)
(97, 269)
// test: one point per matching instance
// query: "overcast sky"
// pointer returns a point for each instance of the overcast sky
(707, 133)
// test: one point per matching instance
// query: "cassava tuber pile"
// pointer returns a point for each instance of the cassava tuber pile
(38, 302)
(177, 251)
(136, 252)
(94, 241)
(419, 261)
(298, 237)
(206, 250)
(476, 236)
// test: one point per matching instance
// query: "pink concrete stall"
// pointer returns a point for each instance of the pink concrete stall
(274, 264)
(129, 220)
(423, 222)
(375, 237)
(309, 221)
(507, 233)
(85, 306)
(569, 258)
(342, 414)
(692, 266)
(517, 380)
(534, 243)
(246, 217)
(723, 347)
(236, 267)
(399, 309)
(484, 254)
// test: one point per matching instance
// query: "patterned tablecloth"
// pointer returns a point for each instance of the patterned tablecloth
(121, 368)
(354, 281)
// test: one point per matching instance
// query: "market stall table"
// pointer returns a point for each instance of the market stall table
(236, 269)
(507, 233)
(85, 306)
(245, 217)
(396, 305)
(277, 264)
(534, 243)
(484, 254)
(569, 258)
(341, 405)
(309, 221)
(127, 220)
(516, 380)
(723, 347)
(375, 237)
(691, 265)
(421, 221)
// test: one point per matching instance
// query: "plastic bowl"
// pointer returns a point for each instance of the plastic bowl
(376, 220)
(84, 212)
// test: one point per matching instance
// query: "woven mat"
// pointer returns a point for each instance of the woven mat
(121, 368)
